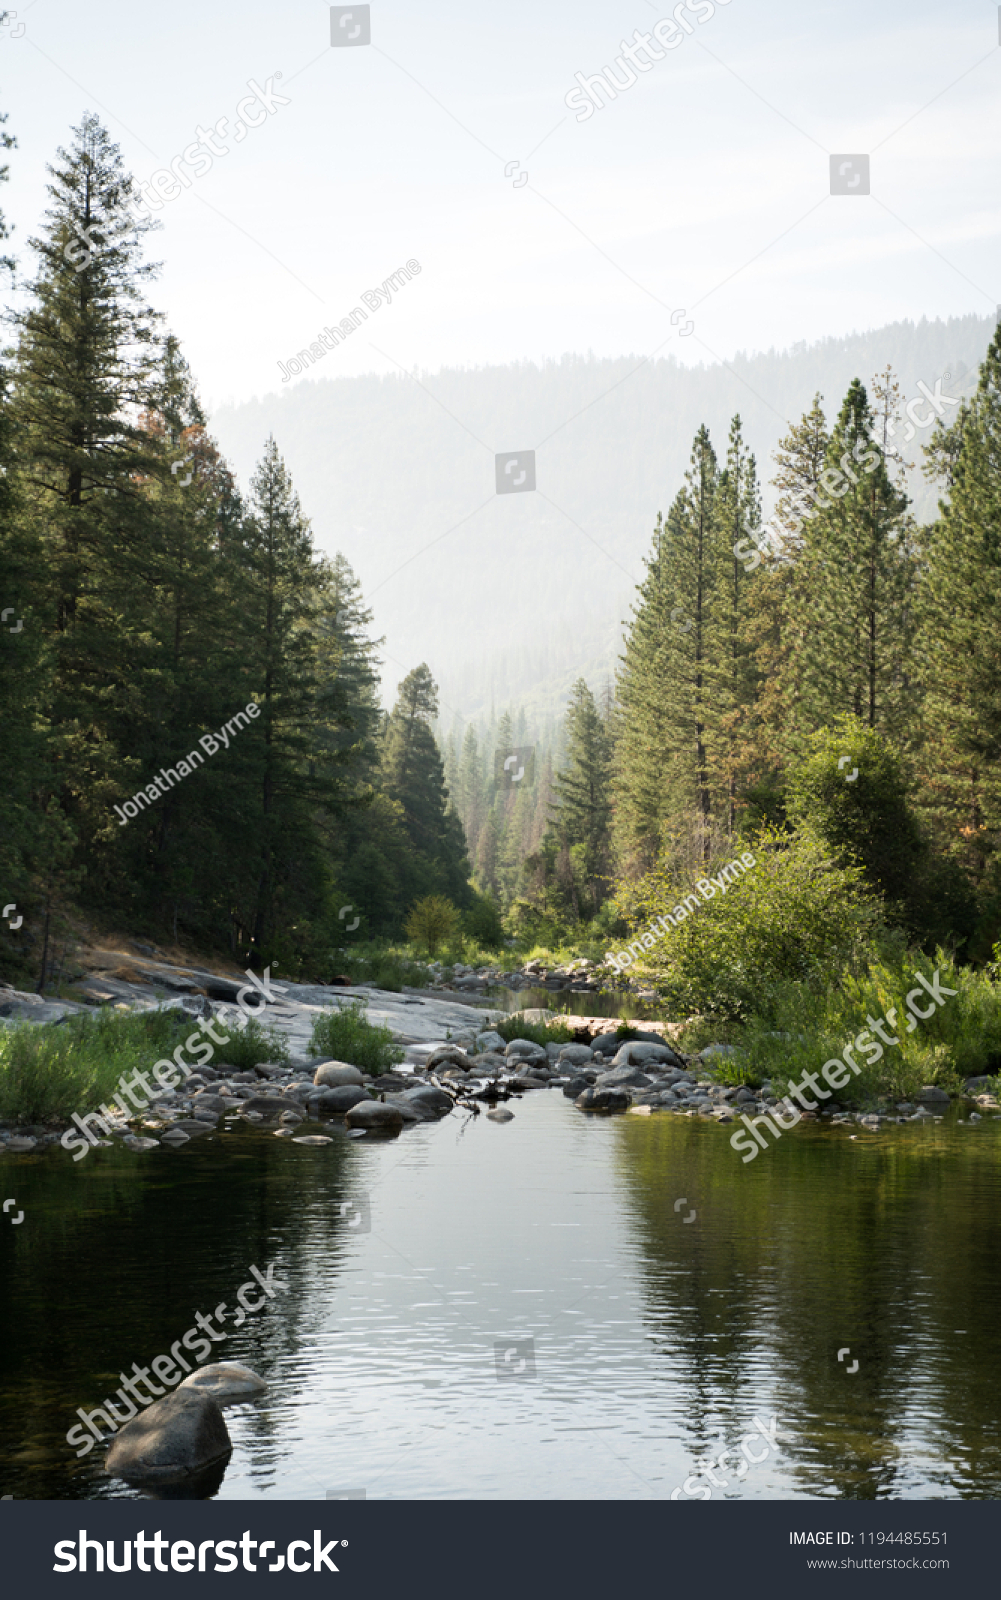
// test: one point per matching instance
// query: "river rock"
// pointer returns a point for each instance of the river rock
(266, 1105)
(225, 1380)
(932, 1093)
(491, 1041)
(603, 1100)
(376, 1115)
(172, 1439)
(339, 1099)
(333, 1074)
(20, 1143)
(575, 1087)
(269, 1069)
(133, 1141)
(448, 1055)
(973, 1084)
(638, 1054)
(525, 1050)
(175, 1137)
(500, 1114)
(623, 1078)
(429, 1095)
(311, 1138)
(528, 1079)
(606, 1044)
(575, 1054)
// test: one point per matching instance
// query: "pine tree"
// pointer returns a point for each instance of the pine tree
(580, 827)
(960, 626)
(662, 759)
(85, 367)
(413, 775)
(730, 674)
(851, 601)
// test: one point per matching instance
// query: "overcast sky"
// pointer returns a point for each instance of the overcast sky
(703, 188)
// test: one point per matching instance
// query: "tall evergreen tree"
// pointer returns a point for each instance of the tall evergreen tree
(413, 775)
(852, 597)
(960, 628)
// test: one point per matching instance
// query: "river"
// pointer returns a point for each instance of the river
(558, 1307)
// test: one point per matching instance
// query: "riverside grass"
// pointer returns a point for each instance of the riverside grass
(797, 1025)
(47, 1072)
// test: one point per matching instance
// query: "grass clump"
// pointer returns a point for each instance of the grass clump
(47, 1072)
(252, 1043)
(800, 1025)
(347, 1035)
(543, 1033)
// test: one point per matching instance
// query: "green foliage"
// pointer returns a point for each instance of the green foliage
(431, 921)
(795, 912)
(868, 818)
(348, 1036)
(482, 922)
(47, 1072)
(250, 1044)
(798, 1026)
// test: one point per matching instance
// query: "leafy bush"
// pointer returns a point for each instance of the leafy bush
(870, 822)
(482, 923)
(347, 1035)
(431, 921)
(48, 1072)
(795, 913)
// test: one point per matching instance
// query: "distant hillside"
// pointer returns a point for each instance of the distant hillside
(508, 598)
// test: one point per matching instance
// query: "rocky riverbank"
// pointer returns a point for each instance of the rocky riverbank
(452, 1058)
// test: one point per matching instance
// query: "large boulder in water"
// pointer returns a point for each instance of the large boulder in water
(174, 1438)
(335, 1073)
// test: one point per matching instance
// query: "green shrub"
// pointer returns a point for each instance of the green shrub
(431, 922)
(48, 1072)
(347, 1035)
(794, 913)
(482, 923)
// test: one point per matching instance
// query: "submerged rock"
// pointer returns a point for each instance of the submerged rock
(173, 1438)
(498, 1114)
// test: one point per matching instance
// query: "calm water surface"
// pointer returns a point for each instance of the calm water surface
(655, 1340)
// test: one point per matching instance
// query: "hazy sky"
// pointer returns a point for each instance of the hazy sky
(703, 186)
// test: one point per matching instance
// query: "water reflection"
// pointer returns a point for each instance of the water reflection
(655, 1341)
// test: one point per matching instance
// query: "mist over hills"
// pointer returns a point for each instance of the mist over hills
(509, 598)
